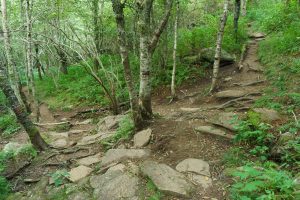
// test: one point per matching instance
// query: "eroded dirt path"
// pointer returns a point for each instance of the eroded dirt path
(174, 132)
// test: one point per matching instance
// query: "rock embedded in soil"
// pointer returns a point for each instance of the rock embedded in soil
(118, 155)
(114, 185)
(203, 181)
(197, 166)
(226, 120)
(91, 139)
(87, 161)
(79, 172)
(214, 131)
(61, 143)
(109, 123)
(142, 138)
(167, 179)
(257, 35)
(79, 195)
(231, 94)
(267, 115)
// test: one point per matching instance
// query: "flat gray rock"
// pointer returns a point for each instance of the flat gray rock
(142, 138)
(87, 161)
(79, 172)
(214, 131)
(61, 143)
(118, 155)
(91, 139)
(115, 185)
(194, 165)
(109, 123)
(267, 115)
(167, 179)
(226, 120)
(257, 35)
(231, 94)
(79, 195)
(203, 181)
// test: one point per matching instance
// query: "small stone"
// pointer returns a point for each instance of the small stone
(79, 172)
(167, 179)
(142, 138)
(226, 120)
(118, 155)
(228, 79)
(87, 161)
(194, 165)
(94, 138)
(109, 123)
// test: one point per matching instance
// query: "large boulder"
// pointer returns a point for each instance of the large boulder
(115, 184)
(194, 165)
(226, 120)
(208, 55)
(142, 138)
(167, 179)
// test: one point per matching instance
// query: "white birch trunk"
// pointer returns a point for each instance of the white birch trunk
(244, 7)
(29, 56)
(12, 69)
(216, 66)
(173, 90)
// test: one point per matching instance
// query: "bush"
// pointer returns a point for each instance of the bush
(262, 183)
(8, 125)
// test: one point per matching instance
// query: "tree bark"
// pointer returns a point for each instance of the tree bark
(173, 90)
(237, 10)
(29, 56)
(12, 69)
(97, 34)
(118, 8)
(244, 7)
(147, 48)
(20, 112)
(219, 46)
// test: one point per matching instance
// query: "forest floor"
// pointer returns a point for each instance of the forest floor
(174, 136)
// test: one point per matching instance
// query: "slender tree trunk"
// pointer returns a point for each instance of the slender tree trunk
(173, 91)
(20, 112)
(237, 10)
(216, 66)
(147, 48)
(97, 34)
(244, 7)
(12, 69)
(38, 64)
(29, 56)
(118, 8)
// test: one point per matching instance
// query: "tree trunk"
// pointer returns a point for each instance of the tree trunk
(20, 112)
(12, 69)
(237, 10)
(97, 34)
(219, 46)
(173, 91)
(147, 48)
(38, 64)
(244, 7)
(29, 56)
(118, 8)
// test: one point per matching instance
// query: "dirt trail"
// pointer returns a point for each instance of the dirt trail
(174, 136)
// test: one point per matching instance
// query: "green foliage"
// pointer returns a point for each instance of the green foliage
(261, 183)
(8, 125)
(59, 177)
(153, 190)
(123, 132)
(4, 188)
(235, 156)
